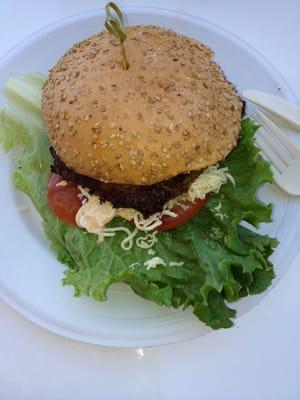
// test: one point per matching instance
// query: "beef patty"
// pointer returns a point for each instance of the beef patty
(146, 199)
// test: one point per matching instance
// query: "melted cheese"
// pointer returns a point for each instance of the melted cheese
(93, 215)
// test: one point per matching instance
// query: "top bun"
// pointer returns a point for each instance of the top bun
(171, 112)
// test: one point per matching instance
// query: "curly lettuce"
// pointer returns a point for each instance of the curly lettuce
(223, 260)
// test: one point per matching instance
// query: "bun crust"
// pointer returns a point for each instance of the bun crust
(171, 112)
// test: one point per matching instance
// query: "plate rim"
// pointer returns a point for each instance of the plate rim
(20, 307)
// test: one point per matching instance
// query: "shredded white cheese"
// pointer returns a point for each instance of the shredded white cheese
(126, 213)
(126, 243)
(132, 266)
(176, 263)
(210, 180)
(62, 183)
(94, 214)
(148, 224)
(147, 241)
(154, 262)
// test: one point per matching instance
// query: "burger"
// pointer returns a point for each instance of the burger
(139, 137)
(140, 133)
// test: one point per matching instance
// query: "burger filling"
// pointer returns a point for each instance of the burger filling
(139, 197)
(94, 212)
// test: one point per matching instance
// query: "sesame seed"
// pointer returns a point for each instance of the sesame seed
(96, 128)
(151, 99)
(157, 128)
(65, 115)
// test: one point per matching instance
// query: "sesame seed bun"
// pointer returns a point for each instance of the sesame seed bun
(171, 112)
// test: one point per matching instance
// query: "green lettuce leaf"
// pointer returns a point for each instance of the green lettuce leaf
(223, 260)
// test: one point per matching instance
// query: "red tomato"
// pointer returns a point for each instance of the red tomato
(183, 214)
(63, 200)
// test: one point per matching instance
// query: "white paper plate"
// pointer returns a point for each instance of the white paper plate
(29, 274)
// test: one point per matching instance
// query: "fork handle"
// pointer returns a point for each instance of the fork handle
(276, 105)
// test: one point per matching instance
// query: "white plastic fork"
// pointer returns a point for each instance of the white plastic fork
(276, 105)
(281, 152)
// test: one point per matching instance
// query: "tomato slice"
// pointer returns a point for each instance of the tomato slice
(184, 214)
(63, 200)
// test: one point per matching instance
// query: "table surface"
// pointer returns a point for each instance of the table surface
(257, 359)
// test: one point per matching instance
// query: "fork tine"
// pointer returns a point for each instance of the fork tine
(291, 147)
(271, 156)
(277, 178)
(282, 154)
